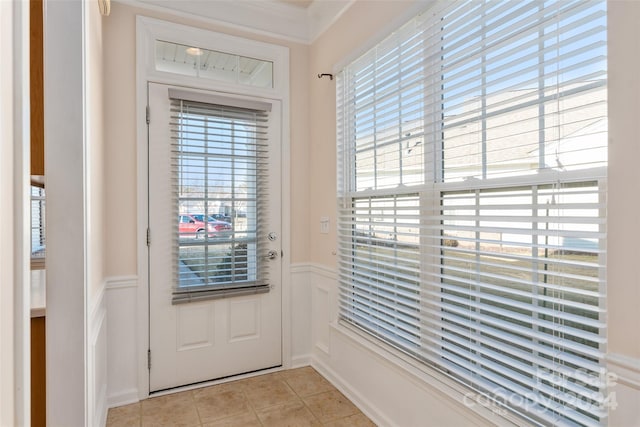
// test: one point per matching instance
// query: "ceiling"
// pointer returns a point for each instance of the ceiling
(296, 20)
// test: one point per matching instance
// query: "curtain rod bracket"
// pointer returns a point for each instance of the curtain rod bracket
(325, 74)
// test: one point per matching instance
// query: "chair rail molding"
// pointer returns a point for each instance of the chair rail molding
(626, 369)
(119, 282)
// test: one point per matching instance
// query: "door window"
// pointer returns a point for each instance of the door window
(219, 161)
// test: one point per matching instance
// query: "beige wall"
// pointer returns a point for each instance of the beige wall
(623, 205)
(347, 35)
(120, 142)
(120, 136)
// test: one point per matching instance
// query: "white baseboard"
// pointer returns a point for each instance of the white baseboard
(100, 416)
(300, 361)
(353, 395)
(124, 398)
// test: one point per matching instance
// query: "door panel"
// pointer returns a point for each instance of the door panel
(215, 297)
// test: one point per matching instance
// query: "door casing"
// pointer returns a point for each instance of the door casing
(147, 31)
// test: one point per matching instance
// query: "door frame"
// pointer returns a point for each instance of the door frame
(15, 392)
(147, 31)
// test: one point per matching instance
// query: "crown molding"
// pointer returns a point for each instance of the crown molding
(321, 14)
(268, 18)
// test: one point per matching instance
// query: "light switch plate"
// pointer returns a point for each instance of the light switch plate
(324, 225)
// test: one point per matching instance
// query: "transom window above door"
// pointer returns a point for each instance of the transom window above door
(193, 57)
(211, 64)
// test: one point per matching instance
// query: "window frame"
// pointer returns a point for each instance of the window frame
(430, 192)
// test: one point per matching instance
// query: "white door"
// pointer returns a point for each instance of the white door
(214, 233)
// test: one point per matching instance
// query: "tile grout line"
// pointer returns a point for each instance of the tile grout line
(333, 389)
(251, 405)
(281, 378)
(193, 398)
(303, 402)
(245, 397)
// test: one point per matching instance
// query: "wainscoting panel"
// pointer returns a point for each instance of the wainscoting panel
(300, 315)
(320, 331)
(121, 294)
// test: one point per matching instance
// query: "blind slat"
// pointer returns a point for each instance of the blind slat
(472, 198)
(219, 180)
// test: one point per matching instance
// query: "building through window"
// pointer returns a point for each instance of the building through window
(472, 193)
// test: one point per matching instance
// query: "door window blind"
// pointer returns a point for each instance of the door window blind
(219, 168)
(472, 154)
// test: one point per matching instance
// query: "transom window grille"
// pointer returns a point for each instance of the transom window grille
(219, 159)
(472, 200)
(195, 61)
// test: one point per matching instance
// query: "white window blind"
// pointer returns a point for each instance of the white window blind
(38, 216)
(472, 200)
(219, 165)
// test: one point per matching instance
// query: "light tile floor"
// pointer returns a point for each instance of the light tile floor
(294, 398)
